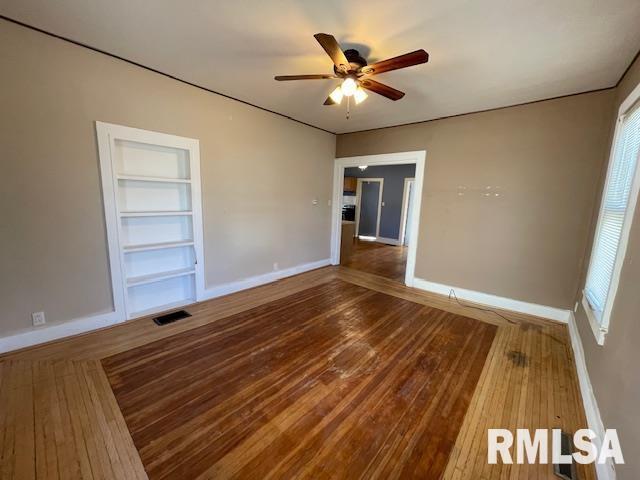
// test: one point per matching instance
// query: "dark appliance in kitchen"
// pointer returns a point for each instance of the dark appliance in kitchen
(349, 213)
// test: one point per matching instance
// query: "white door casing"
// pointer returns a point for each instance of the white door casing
(359, 202)
(407, 194)
(401, 158)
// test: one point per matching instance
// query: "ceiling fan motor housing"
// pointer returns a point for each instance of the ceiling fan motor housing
(356, 61)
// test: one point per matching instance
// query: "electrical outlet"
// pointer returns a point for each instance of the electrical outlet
(38, 319)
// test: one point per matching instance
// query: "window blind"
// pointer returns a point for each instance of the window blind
(615, 202)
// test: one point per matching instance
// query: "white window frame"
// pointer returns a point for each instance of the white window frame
(600, 323)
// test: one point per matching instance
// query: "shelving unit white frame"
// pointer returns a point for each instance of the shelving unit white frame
(107, 135)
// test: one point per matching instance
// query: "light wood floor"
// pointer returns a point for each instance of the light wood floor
(60, 419)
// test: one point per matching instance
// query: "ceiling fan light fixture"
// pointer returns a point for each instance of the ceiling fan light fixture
(350, 66)
(360, 95)
(336, 95)
(349, 87)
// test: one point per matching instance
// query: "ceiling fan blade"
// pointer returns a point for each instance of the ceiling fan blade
(329, 101)
(381, 89)
(395, 63)
(281, 78)
(331, 46)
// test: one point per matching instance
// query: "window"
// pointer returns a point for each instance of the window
(616, 211)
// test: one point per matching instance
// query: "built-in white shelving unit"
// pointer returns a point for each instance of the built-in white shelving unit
(142, 178)
(156, 210)
(156, 214)
(156, 246)
(156, 277)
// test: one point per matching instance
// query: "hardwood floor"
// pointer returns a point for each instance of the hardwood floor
(333, 373)
(60, 421)
(335, 381)
(387, 261)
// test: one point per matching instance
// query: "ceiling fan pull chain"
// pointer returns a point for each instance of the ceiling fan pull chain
(348, 108)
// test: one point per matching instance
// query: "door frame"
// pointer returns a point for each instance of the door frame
(107, 134)
(359, 199)
(405, 208)
(400, 158)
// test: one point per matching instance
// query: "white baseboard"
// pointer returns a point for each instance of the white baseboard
(552, 313)
(388, 241)
(227, 288)
(49, 333)
(45, 334)
(592, 412)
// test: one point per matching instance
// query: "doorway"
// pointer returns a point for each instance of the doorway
(369, 207)
(406, 226)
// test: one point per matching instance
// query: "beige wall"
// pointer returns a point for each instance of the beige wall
(528, 242)
(532, 243)
(260, 173)
(613, 368)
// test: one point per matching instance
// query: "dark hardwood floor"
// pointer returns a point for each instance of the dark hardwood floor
(336, 381)
(379, 259)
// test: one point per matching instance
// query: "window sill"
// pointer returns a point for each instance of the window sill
(598, 330)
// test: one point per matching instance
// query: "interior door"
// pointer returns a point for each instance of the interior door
(369, 208)
(153, 188)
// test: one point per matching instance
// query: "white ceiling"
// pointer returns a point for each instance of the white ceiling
(484, 54)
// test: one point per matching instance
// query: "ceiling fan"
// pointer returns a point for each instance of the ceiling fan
(356, 73)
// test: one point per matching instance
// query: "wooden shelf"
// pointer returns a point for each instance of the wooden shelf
(151, 213)
(142, 178)
(156, 277)
(156, 246)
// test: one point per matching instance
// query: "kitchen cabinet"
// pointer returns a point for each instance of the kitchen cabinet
(350, 184)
